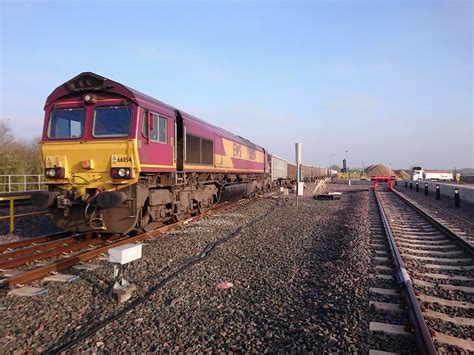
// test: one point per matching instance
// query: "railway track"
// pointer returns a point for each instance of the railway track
(462, 226)
(433, 266)
(19, 260)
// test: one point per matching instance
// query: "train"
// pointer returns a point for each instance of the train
(284, 172)
(117, 160)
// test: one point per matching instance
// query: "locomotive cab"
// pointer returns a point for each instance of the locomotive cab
(89, 153)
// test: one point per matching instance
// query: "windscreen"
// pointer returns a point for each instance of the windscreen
(66, 123)
(112, 121)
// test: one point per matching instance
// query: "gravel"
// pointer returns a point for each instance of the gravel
(299, 275)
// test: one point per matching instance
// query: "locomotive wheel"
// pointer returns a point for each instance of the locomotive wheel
(196, 208)
(150, 226)
(181, 217)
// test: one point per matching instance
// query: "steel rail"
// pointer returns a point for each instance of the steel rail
(441, 227)
(46, 245)
(31, 241)
(42, 271)
(422, 333)
(38, 247)
(72, 246)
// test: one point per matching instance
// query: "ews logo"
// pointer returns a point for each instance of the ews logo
(237, 150)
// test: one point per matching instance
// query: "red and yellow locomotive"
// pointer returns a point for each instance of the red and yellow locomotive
(117, 160)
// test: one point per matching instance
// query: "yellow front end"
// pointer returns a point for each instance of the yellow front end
(88, 164)
(88, 193)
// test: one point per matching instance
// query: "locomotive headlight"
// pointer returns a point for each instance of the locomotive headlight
(121, 173)
(89, 99)
(57, 173)
(50, 173)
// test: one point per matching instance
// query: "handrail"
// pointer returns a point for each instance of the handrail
(18, 183)
(12, 215)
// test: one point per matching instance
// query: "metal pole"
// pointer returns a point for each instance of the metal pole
(347, 165)
(330, 163)
(9, 183)
(24, 182)
(347, 170)
(12, 215)
(298, 167)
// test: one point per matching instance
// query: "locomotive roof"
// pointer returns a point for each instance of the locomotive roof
(87, 82)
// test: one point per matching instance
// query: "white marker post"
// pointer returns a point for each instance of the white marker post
(298, 169)
(121, 256)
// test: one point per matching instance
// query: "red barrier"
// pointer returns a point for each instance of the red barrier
(390, 179)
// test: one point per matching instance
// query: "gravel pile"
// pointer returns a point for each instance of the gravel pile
(402, 174)
(379, 170)
(299, 283)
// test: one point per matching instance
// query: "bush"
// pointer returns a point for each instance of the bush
(18, 157)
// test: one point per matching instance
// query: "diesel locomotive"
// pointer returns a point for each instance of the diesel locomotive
(117, 160)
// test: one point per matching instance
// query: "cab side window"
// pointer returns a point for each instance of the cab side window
(154, 128)
(145, 123)
(163, 125)
(158, 127)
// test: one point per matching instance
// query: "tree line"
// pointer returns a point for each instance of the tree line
(18, 156)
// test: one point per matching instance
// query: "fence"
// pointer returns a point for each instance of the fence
(18, 183)
(467, 179)
(352, 176)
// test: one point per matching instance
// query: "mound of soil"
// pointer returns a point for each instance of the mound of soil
(379, 170)
(402, 174)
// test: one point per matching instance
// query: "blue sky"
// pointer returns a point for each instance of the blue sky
(390, 81)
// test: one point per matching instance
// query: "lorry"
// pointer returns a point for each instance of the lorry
(419, 174)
